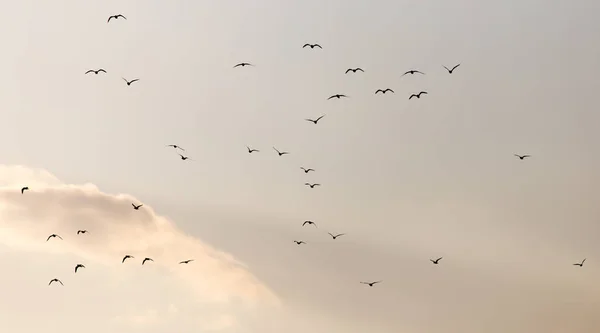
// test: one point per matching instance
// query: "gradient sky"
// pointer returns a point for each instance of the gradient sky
(406, 180)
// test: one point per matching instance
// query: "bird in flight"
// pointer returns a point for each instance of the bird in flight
(371, 283)
(137, 207)
(299, 242)
(127, 257)
(53, 236)
(335, 236)
(522, 157)
(82, 232)
(146, 259)
(186, 261)
(251, 150)
(78, 267)
(309, 222)
(281, 153)
(580, 264)
(95, 71)
(55, 280)
(312, 185)
(312, 46)
(24, 189)
(383, 91)
(242, 64)
(307, 170)
(418, 95)
(130, 82)
(115, 17)
(183, 158)
(451, 70)
(413, 71)
(436, 261)
(315, 121)
(338, 96)
(176, 147)
(353, 70)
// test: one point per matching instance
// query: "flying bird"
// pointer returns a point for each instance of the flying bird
(242, 64)
(281, 153)
(53, 236)
(312, 46)
(137, 207)
(315, 121)
(413, 71)
(522, 157)
(55, 280)
(251, 150)
(78, 267)
(312, 185)
(176, 147)
(353, 70)
(115, 17)
(82, 232)
(307, 170)
(146, 259)
(371, 283)
(338, 96)
(451, 70)
(186, 261)
(436, 261)
(127, 257)
(309, 222)
(299, 242)
(335, 236)
(418, 95)
(130, 82)
(383, 91)
(183, 158)
(95, 71)
(24, 189)
(580, 264)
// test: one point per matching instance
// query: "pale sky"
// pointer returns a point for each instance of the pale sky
(406, 181)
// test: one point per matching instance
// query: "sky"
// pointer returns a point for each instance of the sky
(405, 180)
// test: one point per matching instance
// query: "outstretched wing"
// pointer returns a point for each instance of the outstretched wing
(453, 68)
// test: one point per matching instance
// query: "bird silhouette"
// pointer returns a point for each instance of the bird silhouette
(451, 70)
(24, 189)
(335, 236)
(280, 153)
(312, 46)
(522, 157)
(53, 236)
(371, 284)
(137, 207)
(242, 64)
(338, 96)
(115, 17)
(413, 71)
(580, 264)
(130, 82)
(309, 222)
(55, 280)
(353, 70)
(95, 71)
(312, 185)
(251, 150)
(307, 170)
(78, 267)
(299, 242)
(127, 257)
(186, 261)
(436, 261)
(176, 147)
(146, 259)
(418, 95)
(82, 232)
(315, 121)
(383, 91)
(183, 158)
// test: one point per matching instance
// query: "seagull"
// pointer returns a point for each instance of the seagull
(383, 91)
(312, 46)
(242, 64)
(82, 232)
(451, 70)
(309, 222)
(176, 147)
(95, 71)
(127, 257)
(299, 242)
(186, 261)
(335, 236)
(24, 189)
(413, 71)
(146, 259)
(281, 153)
(137, 207)
(55, 280)
(183, 158)
(581, 264)
(312, 185)
(436, 261)
(307, 170)
(52, 236)
(371, 283)
(251, 150)
(315, 121)
(418, 95)
(78, 267)
(115, 17)
(353, 70)
(130, 82)
(338, 96)
(522, 157)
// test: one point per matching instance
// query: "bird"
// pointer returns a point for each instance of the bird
(451, 70)
(281, 153)
(137, 207)
(312, 46)
(176, 147)
(335, 236)
(436, 261)
(418, 95)
(242, 64)
(309, 222)
(186, 261)
(24, 189)
(307, 170)
(251, 150)
(383, 91)
(127, 257)
(299, 242)
(146, 259)
(413, 71)
(312, 185)
(371, 283)
(338, 96)
(580, 264)
(522, 157)
(353, 70)
(55, 280)
(78, 267)
(183, 158)
(130, 82)
(315, 121)
(95, 71)
(53, 236)
(115, 17)
(82, 232)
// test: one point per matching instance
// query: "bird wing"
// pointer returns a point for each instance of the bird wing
(388, 89)
(423, 92)
(583, 261)
(359, 69)
(453, 68)
(305, 45)
(347, 71)
(378, 90)
(317, 45)
(101, 70)
(89, 71)
(526, 156)
(59, 281)
(58, 236)
(278, 152)
(319, 118)
(438, 259)
(338, 235)
(331, 97)
(125, 257)
(405, 73)
(121, 16)
(449, 70)
(132, 81)
(109, 18)
(125, 79)
(330, 234)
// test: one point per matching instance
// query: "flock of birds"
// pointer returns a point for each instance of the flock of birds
(279, 152)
